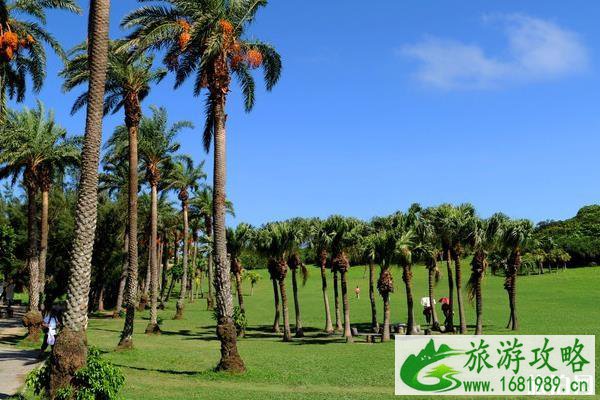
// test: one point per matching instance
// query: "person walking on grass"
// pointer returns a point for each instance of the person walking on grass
(357, 292)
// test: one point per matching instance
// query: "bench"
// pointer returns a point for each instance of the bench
(370, 337)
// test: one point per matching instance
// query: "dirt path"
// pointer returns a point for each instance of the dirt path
(14, 363)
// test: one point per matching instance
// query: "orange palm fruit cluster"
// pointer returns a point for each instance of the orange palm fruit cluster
(10, 44)
(254, 58)
(184, 37)
(226, 26)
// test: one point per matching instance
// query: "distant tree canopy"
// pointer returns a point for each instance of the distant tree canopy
(578, 236)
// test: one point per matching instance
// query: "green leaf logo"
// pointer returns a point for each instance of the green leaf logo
(409, 372)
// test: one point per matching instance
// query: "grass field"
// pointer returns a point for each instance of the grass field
(178, 363)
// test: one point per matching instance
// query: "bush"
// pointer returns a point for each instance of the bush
(239, 319)
(98, 380)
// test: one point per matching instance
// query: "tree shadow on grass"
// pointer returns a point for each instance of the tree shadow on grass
(163, 371)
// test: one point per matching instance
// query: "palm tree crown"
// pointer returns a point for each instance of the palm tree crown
(157, 143)
(129, 77)
(22, 52)
(205, 38)
(34, 145)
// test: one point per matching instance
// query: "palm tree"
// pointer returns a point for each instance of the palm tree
(319, 242)
(183, 178)
(156, 148)
(299, 228)
(22, 53)
(442, 221)
(483, 239)
(344, 235)
(238, 239)
(69, 353)
(128, 83)
(275, 241)
(205, 38)
(461, 227)
(115, 179)
(35, 146)
(368, 250)
(201, 206)
(515, 236)
(429, 250)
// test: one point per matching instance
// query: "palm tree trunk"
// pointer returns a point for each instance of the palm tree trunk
(276, 328)
(336, 296)
(513, 302)
(101, 298)
(165, 267)
(449, 323)
(132, 119)
(121, 292)
(153, 327)
(210, 302)
(287, 333)
(461, 308)
(159, 264)
(328, 325)
(69, 353)
(226, 331)
(347, 331)
(386, 317)
(33, 318)
(184, 277)
(168, 296)
(479, 307)
(195, 269)
(299, 330)
(407, 278)
(240, 294)
(148, 273)
(435, 324)
(43, 244)
(374, 322)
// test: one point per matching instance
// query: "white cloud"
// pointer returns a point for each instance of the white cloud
(537, 50)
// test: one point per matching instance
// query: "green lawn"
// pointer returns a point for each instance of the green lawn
(177, 364)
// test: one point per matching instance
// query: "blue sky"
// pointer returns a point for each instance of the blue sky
(385, 104)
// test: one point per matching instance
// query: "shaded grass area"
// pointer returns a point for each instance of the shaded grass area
(178, 364)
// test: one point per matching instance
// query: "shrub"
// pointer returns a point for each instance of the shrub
(239, 319)
(98, 380)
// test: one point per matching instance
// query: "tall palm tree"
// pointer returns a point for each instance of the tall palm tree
(429, 250)
(483, 239)
(294, 261)
(35, 146)
(201, 206)
(319, 242)
(462, 220)
(344, 235)
(275, 241)
(368, 250)
(183, 178)
(515, 236)
(22, 53)
(156, 147)
(70, 352)
(128, 83)
(115, 179)
(205, 38)
(238, 239)
(442, 221)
